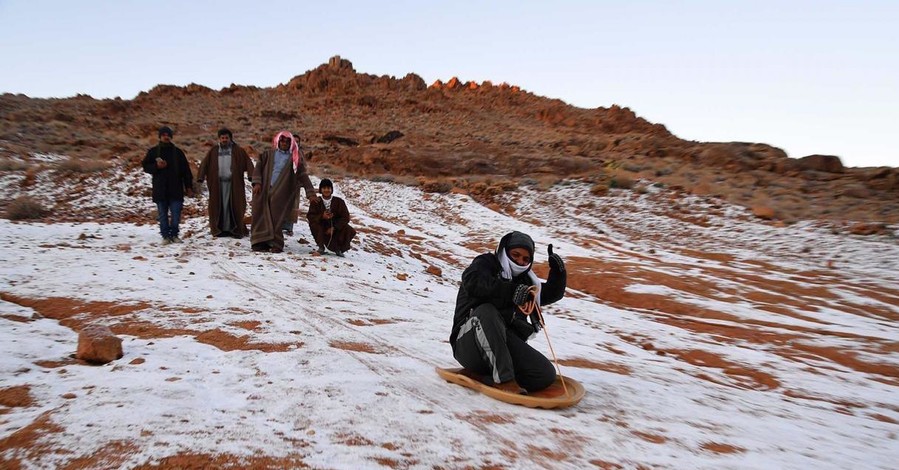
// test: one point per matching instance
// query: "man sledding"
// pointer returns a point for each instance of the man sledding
(498, 296)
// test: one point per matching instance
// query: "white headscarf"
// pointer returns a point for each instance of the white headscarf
(511, 269)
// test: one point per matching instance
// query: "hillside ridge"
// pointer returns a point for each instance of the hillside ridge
(476, 138)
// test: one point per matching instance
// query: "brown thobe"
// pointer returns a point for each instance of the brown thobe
(340, 220)
(233, 197)
(272, 206)
(294, 215)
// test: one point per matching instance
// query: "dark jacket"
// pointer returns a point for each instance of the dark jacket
(170, 182)
(482, 283)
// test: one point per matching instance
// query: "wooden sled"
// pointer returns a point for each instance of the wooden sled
(553, 396)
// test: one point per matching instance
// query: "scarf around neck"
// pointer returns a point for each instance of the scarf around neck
(510, 270)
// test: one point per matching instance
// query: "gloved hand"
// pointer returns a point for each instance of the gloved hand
(522, 294)
(555, 261)
(522, 328)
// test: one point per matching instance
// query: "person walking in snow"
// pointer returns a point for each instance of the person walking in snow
(329, 221)
(172, 179)
(223, 168)
(294, 214)
(276, 180)
(490, 326)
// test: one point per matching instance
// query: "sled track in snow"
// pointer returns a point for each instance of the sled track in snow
(433, 392)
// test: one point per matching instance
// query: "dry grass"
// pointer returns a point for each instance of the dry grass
(25, 208)
(383, 178)
(621, 182)
(600, 189)
(435, 186)
(407, 180)
(9, 164)
(82, 165)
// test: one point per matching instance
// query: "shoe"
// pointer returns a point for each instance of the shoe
(261, 247)
(275, 250)
(166, 241)
(289, 233)
(321, 250)
(175, 239)
(339, 253)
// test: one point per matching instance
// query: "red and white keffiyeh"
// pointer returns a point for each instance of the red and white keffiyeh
(294, 148)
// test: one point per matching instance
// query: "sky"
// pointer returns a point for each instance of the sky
(810, 77)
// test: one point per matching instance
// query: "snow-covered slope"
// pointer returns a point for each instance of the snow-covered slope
(704, 338)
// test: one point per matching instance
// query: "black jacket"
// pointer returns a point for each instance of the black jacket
(170, 182)
(482, 283)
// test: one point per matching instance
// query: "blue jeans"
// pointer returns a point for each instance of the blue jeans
(169, 228)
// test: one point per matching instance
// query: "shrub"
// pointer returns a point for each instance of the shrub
(621, 182)
(599, 189)
(436, 186)
(664, 171)
(81, 165)
(8, 164)
(25, 208)
(383, 178)
(407, 180)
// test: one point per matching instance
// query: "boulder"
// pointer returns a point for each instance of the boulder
(825, 163)
(884, 179)
(97, 344)
(857, 191)
(867, 228)
(338, 63)
(453, 84)
(389, 137)
(412, 82)
(763, 212)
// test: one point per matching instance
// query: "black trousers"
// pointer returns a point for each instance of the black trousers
(487, 347)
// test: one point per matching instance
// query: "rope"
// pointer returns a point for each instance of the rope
(551, 351)
(331, 238)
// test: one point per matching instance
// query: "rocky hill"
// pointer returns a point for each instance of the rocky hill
(481, 139)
